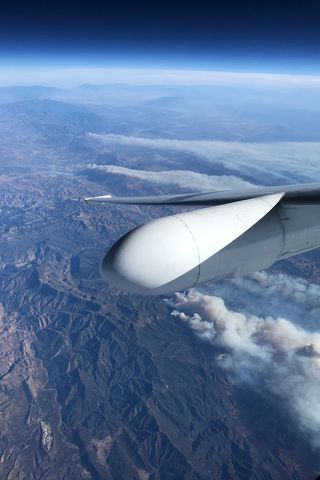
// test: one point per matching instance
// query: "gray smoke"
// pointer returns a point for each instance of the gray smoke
(184, 178)
(299, 157)
(296, 289)
(268, 353)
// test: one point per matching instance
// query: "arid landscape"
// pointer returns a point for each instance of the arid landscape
(99, 384)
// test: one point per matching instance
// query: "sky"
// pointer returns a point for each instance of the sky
(227, 35)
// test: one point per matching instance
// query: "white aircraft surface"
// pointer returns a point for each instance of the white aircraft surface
(235, 233)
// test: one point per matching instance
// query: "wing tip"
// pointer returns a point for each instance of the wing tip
(99, 199)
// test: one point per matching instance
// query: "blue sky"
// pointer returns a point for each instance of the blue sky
(228, 35)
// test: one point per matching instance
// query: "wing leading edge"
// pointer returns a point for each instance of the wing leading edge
(308, 193)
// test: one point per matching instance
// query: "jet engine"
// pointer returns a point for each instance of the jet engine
(229, 239)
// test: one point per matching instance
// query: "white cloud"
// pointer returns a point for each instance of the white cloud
(297, 157)
(184, 178)
(270, 353)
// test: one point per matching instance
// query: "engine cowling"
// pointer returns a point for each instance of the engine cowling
(180, 251)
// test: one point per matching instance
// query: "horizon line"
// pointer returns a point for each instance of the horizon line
(144, 76)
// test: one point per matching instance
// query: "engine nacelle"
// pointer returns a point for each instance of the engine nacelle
(184, 250)
(180, 251)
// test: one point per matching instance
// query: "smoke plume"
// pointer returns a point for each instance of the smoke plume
(184, 178)
(296, 289)
(240, 157)
(272, 354)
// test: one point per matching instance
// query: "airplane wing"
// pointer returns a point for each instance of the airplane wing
(303, 193)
